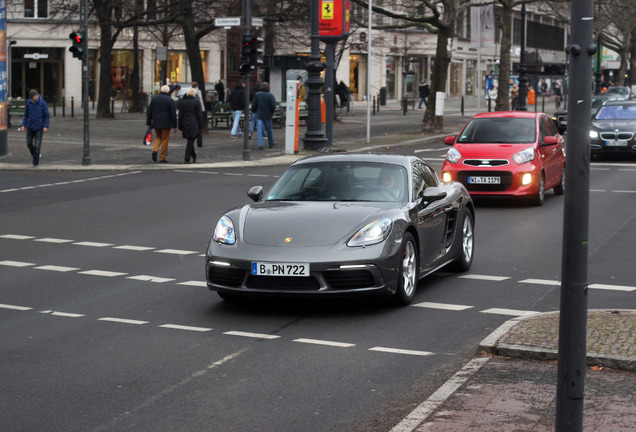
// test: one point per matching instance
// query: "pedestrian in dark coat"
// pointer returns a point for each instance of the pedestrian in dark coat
(36, 122)
(237, 105)
(424, 91)
(264, 106)
(162, 115)
(190, 122)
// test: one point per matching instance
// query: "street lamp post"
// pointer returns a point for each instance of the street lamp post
(523, 69)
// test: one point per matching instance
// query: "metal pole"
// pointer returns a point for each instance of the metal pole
(86, 158)
(573, 318)
(523, 70)
(314, 137)
(369, 69)
(329, 74)
(247, 29)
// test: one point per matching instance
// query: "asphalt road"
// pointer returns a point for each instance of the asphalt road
(106, 324)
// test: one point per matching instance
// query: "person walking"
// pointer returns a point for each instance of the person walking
(199, 96)
(190, 122)
(253, 117)
(264, 106)
(237, 105)
(36, 122)
(220, 90)
(424, 91)
(162, 116)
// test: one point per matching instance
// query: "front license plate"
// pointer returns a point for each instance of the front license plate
(280, 269)
(616, 143)
(564, 122)
(484, 180)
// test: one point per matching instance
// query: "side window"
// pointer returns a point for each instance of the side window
(543, 130)
(551, 127)
(429, 176)
(423, 177)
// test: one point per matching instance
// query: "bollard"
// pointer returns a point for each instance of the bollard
(373, 105)
(462, 106)
(405, 106)
(54, 103)
(72, 106)
(543, 103)
(379, 102)
(63, 106)
(489, 104)
(112, 105)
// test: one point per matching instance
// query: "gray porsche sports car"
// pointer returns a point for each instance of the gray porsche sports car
(343, 224)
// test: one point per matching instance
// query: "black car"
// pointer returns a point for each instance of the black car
(613, 128)
(343, 225)
(560, 118)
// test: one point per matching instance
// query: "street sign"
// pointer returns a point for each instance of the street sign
(236, 21)
(36, 56)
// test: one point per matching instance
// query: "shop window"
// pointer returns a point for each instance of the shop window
(36, 8)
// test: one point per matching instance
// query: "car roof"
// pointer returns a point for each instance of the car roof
(515, 114)
(403, 160)
(620, 102)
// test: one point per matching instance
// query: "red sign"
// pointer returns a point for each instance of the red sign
(333, 19)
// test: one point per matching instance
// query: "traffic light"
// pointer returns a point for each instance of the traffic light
(250, 53)
(245, 54)
(256, 52)
(79, 44)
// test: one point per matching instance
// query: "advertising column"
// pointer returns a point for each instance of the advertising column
(3, 78)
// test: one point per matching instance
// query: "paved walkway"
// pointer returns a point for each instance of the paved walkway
(509, 386)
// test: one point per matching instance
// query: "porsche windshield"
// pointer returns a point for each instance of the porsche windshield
(499, 130)
(341, 181)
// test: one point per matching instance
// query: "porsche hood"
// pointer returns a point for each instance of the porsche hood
(304, 224)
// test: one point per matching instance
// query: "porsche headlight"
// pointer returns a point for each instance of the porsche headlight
(524, 156)
(593, 134)
(371, 233)
(224, 231)
(453, 155)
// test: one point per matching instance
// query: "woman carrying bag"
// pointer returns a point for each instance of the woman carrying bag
(190, 122)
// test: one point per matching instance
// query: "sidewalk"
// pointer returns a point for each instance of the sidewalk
(511, 385)
(116, 144)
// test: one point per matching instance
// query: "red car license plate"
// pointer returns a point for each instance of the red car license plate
(484, 180)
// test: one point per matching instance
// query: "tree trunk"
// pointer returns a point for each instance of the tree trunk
(135, 105)
(105, 78)
(431, 122)
(502, 103)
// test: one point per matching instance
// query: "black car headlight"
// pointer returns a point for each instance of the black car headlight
(372, 233)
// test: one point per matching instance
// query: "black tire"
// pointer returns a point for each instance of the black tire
(560, 188)
(467, 245)
(408, 272)
(539, 198)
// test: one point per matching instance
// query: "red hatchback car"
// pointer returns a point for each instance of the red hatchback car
(507, 153)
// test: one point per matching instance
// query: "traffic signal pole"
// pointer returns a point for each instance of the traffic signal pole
(86, 159)
(574, 287)
(245, 70)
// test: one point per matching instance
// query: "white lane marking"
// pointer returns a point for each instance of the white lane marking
(623, 191)
(443, 306)
(102, 273)
(541, 282)
(426, 408)
(182, 327)
(439, 149)
(612, 287)
(57, 268)
(122, 320)
(53, 240)
(251, 335)
(232, 174)
(17, 237)
(14, 307)
(92, 244)
(433, 159)
(16, 263)
(133, 248)
(175, 251)
(324, 342)
(194, 283)
(401, 351)
(513, 312)
(62, 314)
(147, 278)
(258, 175)
(484, 277)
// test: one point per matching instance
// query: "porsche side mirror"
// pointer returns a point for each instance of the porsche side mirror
(449, 140)
(256, 193)
(549, 140)
(433, 193)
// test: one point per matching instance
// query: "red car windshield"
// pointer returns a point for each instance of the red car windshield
(499, 130)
